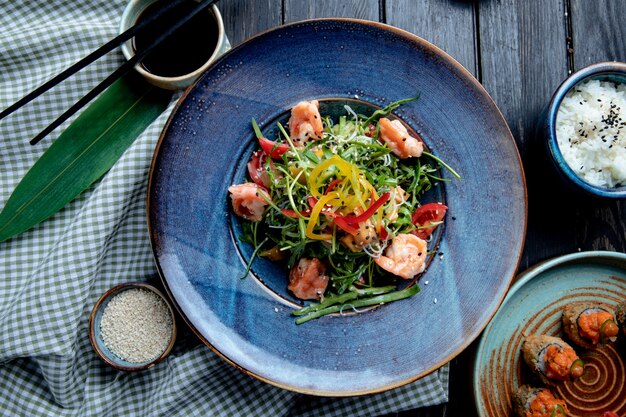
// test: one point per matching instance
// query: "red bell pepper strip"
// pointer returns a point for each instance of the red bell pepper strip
(327, 209)
(289, 213)
(332, 185)
(293, 214)
(345, 226)
(272, 149)
(369, 212)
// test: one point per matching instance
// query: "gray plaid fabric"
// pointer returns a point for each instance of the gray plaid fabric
(51, 276)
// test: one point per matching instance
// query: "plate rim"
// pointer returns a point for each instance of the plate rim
(467, 76)
(521, 280)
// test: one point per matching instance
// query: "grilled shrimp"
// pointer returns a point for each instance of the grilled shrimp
(308, 279)
(248, 201)
(305, 123)
(404, 257)
(395, 135)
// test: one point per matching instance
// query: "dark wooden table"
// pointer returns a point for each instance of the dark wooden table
(520, 50)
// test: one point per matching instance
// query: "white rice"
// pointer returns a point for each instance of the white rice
(591, 132)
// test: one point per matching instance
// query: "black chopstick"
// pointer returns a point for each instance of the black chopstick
(123, 69)
(98, 53)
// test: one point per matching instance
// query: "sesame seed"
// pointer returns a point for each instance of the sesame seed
(136, 325)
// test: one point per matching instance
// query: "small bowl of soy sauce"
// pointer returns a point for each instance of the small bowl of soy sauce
(180, 59)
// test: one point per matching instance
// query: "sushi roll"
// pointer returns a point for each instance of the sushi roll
(587, 324)
(551, 359)
(537, 402)
(620, 314)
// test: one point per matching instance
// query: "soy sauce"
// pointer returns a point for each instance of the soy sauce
(185, 50)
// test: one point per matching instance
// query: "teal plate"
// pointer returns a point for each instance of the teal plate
(533, 306)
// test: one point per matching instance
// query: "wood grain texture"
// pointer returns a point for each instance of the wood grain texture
(598, 30)
(246, 18)
(523, 60)
(449, 24)
(599, 35)
(360, 9)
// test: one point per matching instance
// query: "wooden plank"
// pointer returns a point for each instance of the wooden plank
(599, 35)
(360, 9)
(599, 31)
(523, 60)
(246, 18)
(449, 24)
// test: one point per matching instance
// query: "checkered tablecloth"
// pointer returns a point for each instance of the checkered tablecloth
(51, 276)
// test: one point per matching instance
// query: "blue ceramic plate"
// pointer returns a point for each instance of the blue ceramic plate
(533, 306)
(207, 143)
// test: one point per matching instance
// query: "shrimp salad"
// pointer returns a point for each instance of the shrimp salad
(338, 201)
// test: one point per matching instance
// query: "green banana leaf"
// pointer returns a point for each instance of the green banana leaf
(83, 152)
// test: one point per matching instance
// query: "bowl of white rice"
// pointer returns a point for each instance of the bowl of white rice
(586, 129)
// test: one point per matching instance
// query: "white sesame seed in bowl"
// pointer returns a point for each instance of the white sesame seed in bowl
(132, 327)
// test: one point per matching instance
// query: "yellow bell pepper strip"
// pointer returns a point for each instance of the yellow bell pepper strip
(342, 224)
(356, 185)
(377, 219)
(316, 179)
(315, 213)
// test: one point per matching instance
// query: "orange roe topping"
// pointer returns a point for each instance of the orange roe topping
(559, 361)
(590, 325)
(543, 405)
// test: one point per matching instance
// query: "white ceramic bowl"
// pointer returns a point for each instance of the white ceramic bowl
(129, 18)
